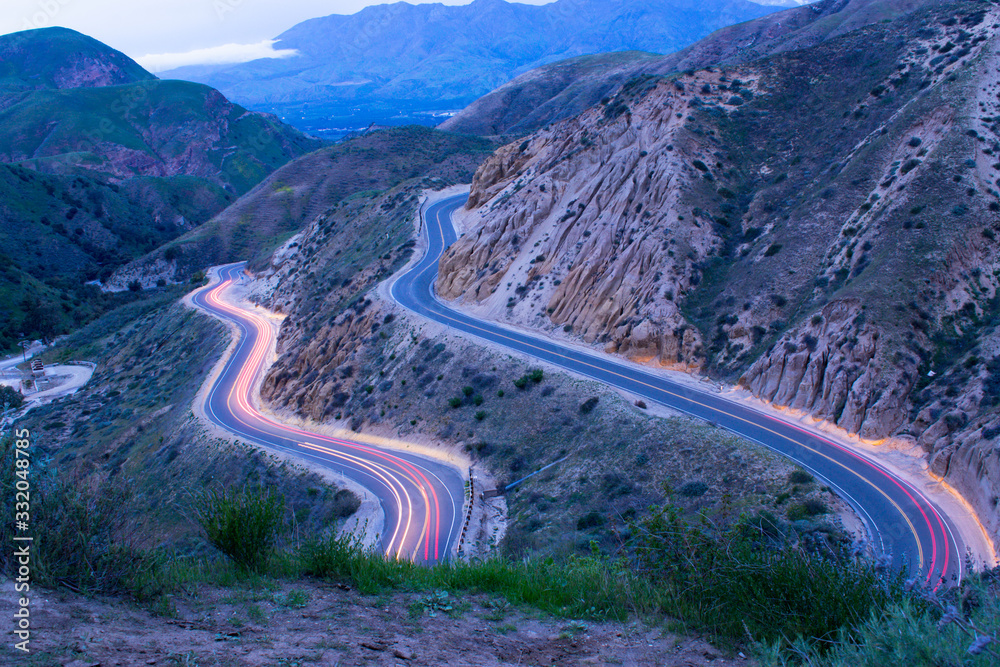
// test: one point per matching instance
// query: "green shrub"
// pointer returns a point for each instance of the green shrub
(537, 375)
(11, 397)
(590, 520)
(800, 477)
(481, 415)
(693, 489)
(738, 582)
(468, 391)
(455, 402)
(588, 406)
(245, 524)
(522, 382)
(478, 400)
(85, 536)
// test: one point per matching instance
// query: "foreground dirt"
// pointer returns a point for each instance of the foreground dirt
(322, 624)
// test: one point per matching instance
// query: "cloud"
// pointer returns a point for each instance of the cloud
(216, 55)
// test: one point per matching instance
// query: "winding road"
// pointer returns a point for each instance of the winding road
(903, 524)
(421, 497)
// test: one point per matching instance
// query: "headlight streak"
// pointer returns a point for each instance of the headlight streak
(412, 489)
(938, 551)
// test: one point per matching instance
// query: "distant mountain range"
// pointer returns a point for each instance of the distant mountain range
(393, 63)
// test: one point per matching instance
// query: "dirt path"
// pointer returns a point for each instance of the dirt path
(322, 624)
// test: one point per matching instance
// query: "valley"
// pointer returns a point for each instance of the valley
(674, 344)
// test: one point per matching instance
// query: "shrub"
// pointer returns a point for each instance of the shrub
(478, 400)
(806, 510)
(522, 382)
(773, 250)
(481, 415)
(135, 286)
(537, 375)
(588, 521)
(455, 402)
(11, 397)
(738, 582)
(244, 524)
(588, 406)
(641, 404)
(800, 477)
(468, 391)
(693, 489)
(85, 537)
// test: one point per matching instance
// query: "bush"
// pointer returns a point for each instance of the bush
(588, 406)
(478, 400)
(455, 402)
(737, 582)
(591, 520)
(807, 509)
(244, 524)
(468, 391)
(481, 415)
(522, 382)
(85, 537)
(537, 375)
(11, 397)
(693, 489)
(135, 286)
(800, 477)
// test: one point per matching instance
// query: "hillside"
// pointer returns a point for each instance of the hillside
(60, 58)
(104, 163)
(565, 89)
(818, 224)
(396, 63)
(296, 194)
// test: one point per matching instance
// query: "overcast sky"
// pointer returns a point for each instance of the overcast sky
(167, 33)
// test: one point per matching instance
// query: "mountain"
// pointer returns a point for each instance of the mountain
(60, 58)
(402, 60)
(816, 219)
(103, 163)
(564, 89)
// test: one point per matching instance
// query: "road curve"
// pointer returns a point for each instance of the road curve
(902, 522)
(421, 497)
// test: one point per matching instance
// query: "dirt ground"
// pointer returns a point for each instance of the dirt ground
(323, 624)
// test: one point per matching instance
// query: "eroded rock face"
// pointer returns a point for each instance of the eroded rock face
(833, 368)
(586, 227)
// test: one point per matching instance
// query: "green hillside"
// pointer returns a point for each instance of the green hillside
(105, 163)
(62, 58)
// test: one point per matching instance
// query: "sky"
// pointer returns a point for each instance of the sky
(162, 34)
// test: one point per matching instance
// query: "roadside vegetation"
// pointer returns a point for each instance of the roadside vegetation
(743, 585)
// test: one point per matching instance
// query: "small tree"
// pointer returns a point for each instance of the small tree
(11, 397)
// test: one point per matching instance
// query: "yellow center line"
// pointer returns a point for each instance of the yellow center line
(497, 333)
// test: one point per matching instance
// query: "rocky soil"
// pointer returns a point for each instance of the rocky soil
(322, 624)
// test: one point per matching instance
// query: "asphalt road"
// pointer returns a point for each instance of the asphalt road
(421, 497)
(903, 524)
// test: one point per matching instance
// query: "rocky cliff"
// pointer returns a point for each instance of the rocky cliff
(818, 223)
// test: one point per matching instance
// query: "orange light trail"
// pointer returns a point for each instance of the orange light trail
(408, 485)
